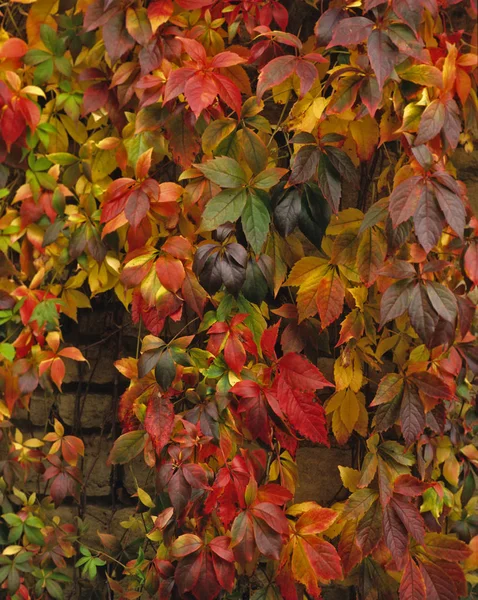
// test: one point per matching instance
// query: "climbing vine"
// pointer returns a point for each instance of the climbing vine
(276, 205)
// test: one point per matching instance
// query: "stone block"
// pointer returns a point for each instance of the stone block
(96, 472)
(137, 473)
(101, 369)
(319, 477)
(95, 409)
(38, 411)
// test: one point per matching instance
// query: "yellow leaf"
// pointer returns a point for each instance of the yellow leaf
(350, 477)
(145, 498)
(11, 550)
(334, 402)
(348, 375)
(349, 410)
(339, 428)
(451, 470)
(349, 219)
(41, 13)
(360, 295)
(76, 130)
(310, 268)
(361, 426)
(366, 135)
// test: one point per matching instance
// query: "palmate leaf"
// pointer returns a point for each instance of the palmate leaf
(313, 560)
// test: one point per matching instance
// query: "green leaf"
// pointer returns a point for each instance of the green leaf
(54, 589)
(48, 37)
(45, 312)
(329, 182)
(7, 351)
(224, 171)
(127, 447)
(165, 370)
(226, 206)
(423, 75)
(62, 158)
(215, 132)
(36, 57)
(63, 65)
(255, 151)
(43, 72)
(34, 536)
(255, 222)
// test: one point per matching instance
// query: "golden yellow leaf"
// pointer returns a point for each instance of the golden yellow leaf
(350, 477)
(366, 135)
(41, 13)
(349, 410)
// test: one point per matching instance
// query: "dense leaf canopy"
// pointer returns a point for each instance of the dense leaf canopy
(278, 208)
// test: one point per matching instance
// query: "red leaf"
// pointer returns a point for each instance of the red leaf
(350, 32)
(411, 518)
(12, 126)
(269, 340)
(272, 515)
(254, 405)
(234, 353)
(437, 583)
(446, 547)
(176, 83)
(275, 72)
(13, 48)
(188, 571)
(226, 59)
(57, 372)
(412, 415)
(194, 294)
(452, 207)
(136, 207)
(116, 37)
(307, 74)
(432, 385)
(407, 485)
(158, 421)
(71, 448)
(404, 199)
(412, 586)
(305, 415)
(369, 531)
(348, 549)
(431, 122)
(471, 261)
(170, 272)
(200, 91)
(382, 54)
(95, 97)
(221, 546)
(395, 535)
(301, 374)
(243, 538)
(224, 571)
(323, 558)
(228, 92)
(330, 298)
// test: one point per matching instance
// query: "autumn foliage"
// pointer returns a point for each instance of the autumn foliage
(270, 201)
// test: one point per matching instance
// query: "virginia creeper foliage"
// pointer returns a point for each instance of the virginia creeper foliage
(278, 208)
